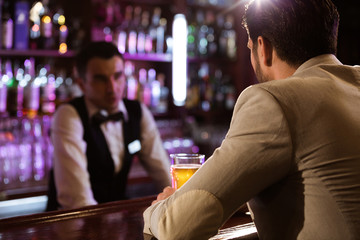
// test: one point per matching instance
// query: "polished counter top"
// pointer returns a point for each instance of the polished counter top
(121, 220)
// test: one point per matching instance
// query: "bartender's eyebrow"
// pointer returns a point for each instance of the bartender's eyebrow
(100, 77)
(118, 74)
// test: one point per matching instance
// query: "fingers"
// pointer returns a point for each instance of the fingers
(168, 191)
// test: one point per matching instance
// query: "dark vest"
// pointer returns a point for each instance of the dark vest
(105, 184)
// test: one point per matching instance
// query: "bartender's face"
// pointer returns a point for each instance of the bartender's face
(104, 82)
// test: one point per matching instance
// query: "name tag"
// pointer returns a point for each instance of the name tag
(134, 146)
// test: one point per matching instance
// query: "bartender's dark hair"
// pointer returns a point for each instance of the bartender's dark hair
(297, 29)
(99, 49)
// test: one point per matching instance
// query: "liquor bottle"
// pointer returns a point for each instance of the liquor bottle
(159, 93)
(7, 25)
(61, 89)
(32, 90)
(60, 32)
(222, 36)
(193, 89)
(144, 90)
(118, 17)
(143, 32)
(21, 82)
(219, 95)
(133, 30)
(121, 33)
(15, 91)
(211, 34)
(201, 34)
(48, 96)
(230, 97)
(63, 33)
(153, 27)
(160, 36)
(77, 33)
(110, 12)
(205, 88)
(155, 88)
(230, 37)
(21, 28)
(131, 82)
(3, 93)
(34, 17)
(38, 149)
(162, 106)
(148, 36)
(46, 27)
(192, 37)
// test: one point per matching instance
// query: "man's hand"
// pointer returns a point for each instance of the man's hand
(168, 191)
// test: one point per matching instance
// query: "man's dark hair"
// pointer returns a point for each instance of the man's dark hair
(297, 29)
(102, 49)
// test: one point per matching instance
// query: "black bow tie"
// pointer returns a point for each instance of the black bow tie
(99, 118)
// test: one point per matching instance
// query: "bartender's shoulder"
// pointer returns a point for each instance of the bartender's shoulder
(65, 110)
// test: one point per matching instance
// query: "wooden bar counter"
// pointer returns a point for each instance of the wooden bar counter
(120, 220)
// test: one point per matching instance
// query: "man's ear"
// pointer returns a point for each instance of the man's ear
(265, 51)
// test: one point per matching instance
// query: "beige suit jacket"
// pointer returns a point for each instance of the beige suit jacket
(292, 152)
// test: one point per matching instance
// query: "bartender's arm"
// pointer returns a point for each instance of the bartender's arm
(153, 156)
(70, 164)
(245, 164)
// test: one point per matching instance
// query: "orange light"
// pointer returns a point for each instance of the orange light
(35, 28)
(63, 48)
(46, 19)
(63, 28)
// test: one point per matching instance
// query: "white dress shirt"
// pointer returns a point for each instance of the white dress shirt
(70, 162)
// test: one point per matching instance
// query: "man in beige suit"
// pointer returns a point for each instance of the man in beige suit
(292, 150)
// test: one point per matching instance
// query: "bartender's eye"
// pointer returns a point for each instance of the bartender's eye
(100, 78)
(118, 75)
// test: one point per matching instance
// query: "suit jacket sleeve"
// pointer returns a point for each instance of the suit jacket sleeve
(255, 153)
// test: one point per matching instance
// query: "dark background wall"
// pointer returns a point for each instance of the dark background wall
(349, 31)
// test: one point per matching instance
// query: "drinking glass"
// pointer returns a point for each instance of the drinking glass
(183, 166)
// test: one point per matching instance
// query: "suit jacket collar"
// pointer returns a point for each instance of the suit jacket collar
(325, 59)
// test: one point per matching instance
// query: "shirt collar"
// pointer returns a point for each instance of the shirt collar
(92, 109)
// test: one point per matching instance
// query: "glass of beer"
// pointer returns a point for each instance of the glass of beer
(183, 166)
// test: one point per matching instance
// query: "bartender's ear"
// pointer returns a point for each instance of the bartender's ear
(78, 79)
(265, 51)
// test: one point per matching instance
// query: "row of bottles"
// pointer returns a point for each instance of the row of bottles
(38, 26)
(25, 152)
(30, 90)
(132, 29)
(146, 86)
(208, 89)
(211, 35)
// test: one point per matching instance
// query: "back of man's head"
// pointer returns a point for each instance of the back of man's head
(102, 49)
(297, 29)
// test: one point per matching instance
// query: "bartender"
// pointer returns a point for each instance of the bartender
(97, 135)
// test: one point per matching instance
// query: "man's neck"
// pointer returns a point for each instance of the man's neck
(280, 69)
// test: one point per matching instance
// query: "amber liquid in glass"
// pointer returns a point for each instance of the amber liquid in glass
(180, 173)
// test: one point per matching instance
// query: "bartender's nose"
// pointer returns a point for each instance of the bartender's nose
(111, 84)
